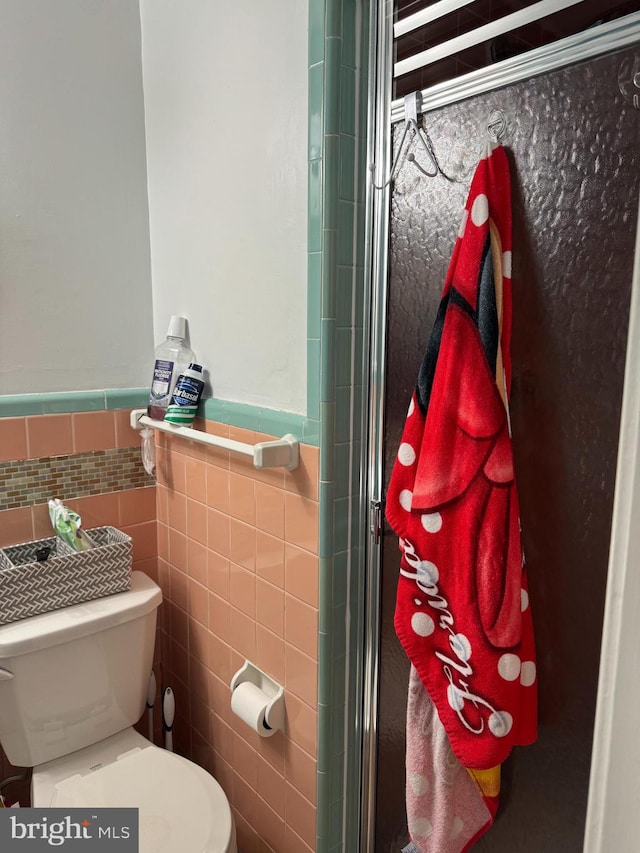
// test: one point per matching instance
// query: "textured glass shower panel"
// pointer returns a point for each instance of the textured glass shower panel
(573, 145)
(551, 28)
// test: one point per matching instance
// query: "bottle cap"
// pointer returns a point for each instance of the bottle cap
(196, 367)
(177, 327)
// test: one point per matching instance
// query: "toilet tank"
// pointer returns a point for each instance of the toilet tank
(74, 676)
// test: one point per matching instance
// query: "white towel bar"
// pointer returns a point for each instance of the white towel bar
(282, 453)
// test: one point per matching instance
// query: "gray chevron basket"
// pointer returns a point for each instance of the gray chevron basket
(28, 587)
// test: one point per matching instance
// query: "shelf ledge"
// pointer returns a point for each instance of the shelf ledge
(282, 453)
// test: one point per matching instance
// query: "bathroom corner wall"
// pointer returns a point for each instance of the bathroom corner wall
(90, 460)
(238, 567)
(338, 90)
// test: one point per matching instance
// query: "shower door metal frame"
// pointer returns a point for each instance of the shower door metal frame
(609, 790)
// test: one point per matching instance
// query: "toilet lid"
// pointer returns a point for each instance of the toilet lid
(181, 807)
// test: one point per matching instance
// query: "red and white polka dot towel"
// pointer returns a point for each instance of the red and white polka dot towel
(462, 610)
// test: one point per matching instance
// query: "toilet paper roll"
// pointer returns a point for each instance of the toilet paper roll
(250, 704)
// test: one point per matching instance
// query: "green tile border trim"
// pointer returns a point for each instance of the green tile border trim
(260, 419)
(127, 398)
(256, 418)
(78, 401)
(339, 112)
(68, 402)
(19, 405)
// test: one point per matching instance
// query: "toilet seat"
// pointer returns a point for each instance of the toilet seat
(181, 807)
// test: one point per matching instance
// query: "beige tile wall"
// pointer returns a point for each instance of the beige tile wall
(60, 435)
(132, 510)
(239, 571)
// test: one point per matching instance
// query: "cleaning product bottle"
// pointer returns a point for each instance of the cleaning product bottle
(172, 358)
(186, 396)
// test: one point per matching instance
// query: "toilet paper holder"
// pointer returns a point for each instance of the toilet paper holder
(274, 693)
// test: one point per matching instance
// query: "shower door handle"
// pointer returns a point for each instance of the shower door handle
(376, 510)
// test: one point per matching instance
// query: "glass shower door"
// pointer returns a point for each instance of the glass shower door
(572, 144)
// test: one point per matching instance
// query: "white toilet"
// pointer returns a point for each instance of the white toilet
(72, 684)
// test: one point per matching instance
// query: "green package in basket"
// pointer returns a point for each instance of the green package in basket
(67, 525)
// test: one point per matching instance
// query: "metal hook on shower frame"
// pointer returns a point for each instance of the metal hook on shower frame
(411, 109)
(496, 126)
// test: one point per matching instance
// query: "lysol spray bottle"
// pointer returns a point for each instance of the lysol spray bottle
(172, 358)
(186, 396)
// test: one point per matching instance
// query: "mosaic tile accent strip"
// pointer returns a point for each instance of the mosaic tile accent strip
(27, 482)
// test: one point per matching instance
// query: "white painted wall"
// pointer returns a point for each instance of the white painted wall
(225, 88)
(613, 812)
(75, 291)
